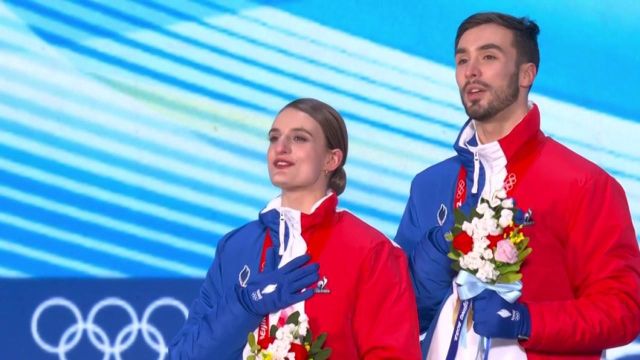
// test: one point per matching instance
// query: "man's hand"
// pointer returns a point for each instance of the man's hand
(436, 240)
(494, 317)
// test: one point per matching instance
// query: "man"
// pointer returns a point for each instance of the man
(581, 283)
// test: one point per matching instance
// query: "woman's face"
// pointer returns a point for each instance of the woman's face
(298, 154)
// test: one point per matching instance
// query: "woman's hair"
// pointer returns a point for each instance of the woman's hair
(335, 133)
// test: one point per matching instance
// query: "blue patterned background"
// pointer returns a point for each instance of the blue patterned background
(133, 134)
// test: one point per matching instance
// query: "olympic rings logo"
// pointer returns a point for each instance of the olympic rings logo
(510, 182)
(460, 188)
(97, 336)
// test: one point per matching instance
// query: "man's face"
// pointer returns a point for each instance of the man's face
(486, 71)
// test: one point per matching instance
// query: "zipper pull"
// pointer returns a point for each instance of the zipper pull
(476, 172)
(281, 234)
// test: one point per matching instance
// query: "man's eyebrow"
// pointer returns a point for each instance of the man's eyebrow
(491, 46)
(483, 47)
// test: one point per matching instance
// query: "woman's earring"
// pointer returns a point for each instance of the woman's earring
(326, 173)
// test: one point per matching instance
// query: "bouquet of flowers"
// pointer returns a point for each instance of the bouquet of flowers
(292, 341)
(489, 243)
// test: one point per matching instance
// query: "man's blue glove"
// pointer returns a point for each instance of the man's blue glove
(494, 317)
(274, 289)
(437, 241)
(431, 258)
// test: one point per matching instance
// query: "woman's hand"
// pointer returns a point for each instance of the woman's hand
(274, 289)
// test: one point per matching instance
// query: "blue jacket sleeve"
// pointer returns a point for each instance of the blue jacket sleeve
(218, 325)
(429, 265)
(410, 230)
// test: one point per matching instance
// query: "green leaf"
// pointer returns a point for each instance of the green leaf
(317, 344)
(251, 340)
(474, 214)
(308, 337)
(322, 354)
(458, 217)
(273, 330)
(448, 236)
(456, 266)
(524, 253)
(453, 255)
(293, 318)
(509, 278)
(251, 357)
(508, 269)
(321, 339)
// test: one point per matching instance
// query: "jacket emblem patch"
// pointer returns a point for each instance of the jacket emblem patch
(243, 276)
(322, 286)
(442, 214)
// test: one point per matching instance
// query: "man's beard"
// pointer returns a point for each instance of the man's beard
(501, 99)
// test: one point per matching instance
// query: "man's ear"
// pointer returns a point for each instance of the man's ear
(334, 159)
(528, 72)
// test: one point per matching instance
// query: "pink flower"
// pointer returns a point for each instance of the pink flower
(506, 252)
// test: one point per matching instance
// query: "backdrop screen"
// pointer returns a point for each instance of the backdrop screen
(133, 134)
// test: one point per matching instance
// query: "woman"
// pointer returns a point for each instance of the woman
(334, 269)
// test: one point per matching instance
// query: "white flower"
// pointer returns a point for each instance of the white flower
(480, 228)
(490, 225)
(493, 214)
(487, 272)
(471, 261)
(483, 208)
(279, 349)
(290, 328)
(288, 335)
(496, 231)
(507, 203)
(285, 336)
(501, 194)
(506, 216)
(488, 214)
(302, 330)
(468, 228)
(480, 244)
(304, 325)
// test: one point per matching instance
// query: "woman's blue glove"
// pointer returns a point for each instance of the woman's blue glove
(274, 289)
(494, 317)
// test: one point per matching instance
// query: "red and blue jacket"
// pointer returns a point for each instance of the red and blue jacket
(581, 283)
(366, 307)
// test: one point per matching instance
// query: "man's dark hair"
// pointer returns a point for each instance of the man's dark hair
(525, 33)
